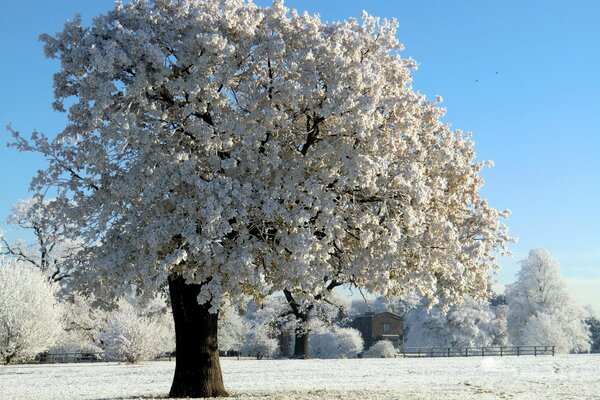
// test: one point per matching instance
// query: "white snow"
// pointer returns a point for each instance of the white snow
(560, 377)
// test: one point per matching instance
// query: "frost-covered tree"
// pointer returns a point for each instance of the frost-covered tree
(232, 328)
(381, 349)
(540, 309)
(335, 342)
(594, 327)
(468, 324)
(260, 340)
(50, 248)
(29, 315)
(229, 149)
(327, 310)
(82, 324)
(135, 334)
(398, 305)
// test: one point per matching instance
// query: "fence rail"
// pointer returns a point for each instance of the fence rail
(500, 351)
(83, 357)
(75, 357)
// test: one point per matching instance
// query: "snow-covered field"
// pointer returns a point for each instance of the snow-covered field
(560, 377)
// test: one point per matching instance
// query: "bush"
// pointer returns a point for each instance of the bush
(336, 343)
(381, 349)
(132, 337)
(29, 315)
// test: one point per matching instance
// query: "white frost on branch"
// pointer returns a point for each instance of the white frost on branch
(254, 150)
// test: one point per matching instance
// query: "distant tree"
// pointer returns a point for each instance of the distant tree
(135, 334)
(50, 249)
(540, 309)
(82, 324)
(229, 150)
(259, 341)
(29, 313)
(593, 324)
(381, 349)
(468, 324)
(327, 311)
(232, 329)
(395, 304)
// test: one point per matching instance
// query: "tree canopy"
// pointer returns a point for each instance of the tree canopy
(256, 149)
(234, 150)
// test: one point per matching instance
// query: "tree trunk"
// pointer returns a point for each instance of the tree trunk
(197, 366)
(301, 345)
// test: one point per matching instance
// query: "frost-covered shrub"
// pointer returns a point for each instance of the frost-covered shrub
(381, 349)
(82, 325)
(133, 337)
(29, 315)
(259, 344)
(336, 343)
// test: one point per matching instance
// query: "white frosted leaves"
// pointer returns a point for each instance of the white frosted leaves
(257, 149)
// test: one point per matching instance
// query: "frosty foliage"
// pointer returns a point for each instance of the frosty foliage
(137, 334)
(264, 322)
(332, 310)
(398, 305)
(82, 324)
(259, 343)
(232, 328)
(540, 310)
(468, 324)
(335, 342)
(257, 149)
(50, 248)
(381, 349)
(29, 315)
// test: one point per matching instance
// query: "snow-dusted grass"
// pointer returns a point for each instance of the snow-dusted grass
(560, 377)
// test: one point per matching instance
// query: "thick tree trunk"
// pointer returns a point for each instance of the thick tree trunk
(301, 345)
(197, 366)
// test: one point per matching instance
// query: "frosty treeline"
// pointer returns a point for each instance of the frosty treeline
(37, 317)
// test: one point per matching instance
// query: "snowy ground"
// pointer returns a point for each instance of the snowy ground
(560, 377)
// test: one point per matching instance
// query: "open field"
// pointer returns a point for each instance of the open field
(545, 377)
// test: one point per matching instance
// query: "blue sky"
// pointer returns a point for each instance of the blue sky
(523, 76)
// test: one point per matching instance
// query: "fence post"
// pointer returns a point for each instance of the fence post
(553, 351)
(482, 351)
(518, 351)
(448, 351)
(535, 350)
(466, 352)
(501, 351)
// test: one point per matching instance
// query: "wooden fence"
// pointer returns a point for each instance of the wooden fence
(79, 357)
(500, 351)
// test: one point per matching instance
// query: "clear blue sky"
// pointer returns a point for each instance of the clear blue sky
(523, 76)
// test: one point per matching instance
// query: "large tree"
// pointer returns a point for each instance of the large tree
(227, 149)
